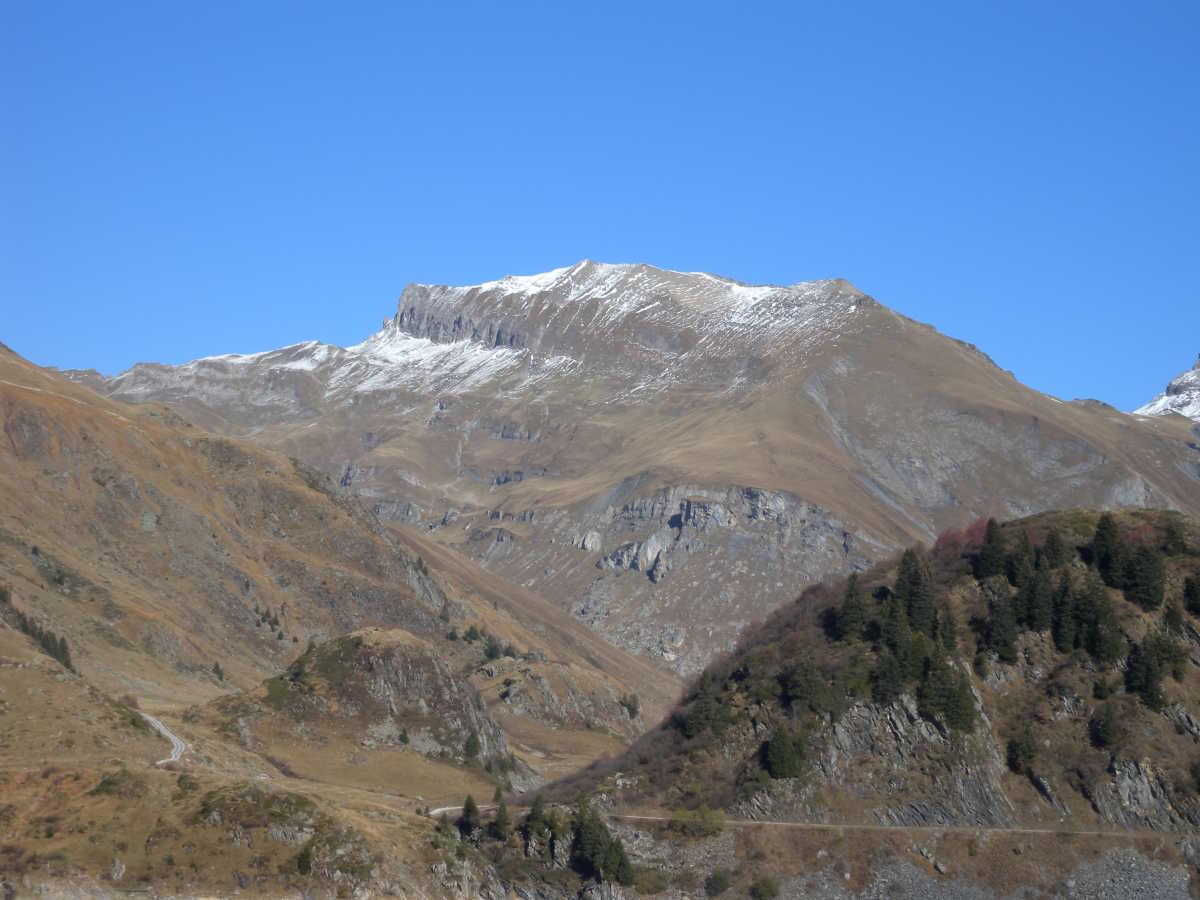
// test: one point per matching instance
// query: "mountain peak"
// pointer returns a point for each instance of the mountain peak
(632, 314)
(1182, 396)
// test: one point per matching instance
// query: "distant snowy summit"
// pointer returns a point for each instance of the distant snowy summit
(591, 309)
(1181, 396)
(638, 327)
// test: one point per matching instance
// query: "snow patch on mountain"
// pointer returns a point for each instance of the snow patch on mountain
(1182, 396)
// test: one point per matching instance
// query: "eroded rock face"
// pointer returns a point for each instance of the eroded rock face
(1137, 795)
(891, 752)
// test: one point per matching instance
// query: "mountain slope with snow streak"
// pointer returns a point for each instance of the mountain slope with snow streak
(1182, 396)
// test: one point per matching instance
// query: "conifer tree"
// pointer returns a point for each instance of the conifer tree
(500, 825)
(1054, 552)
(852, 616)
(1098, 620)
(1173, 618)
(1191, 595)
(1039, 601)
(1145, 578)
(1019, 564)
(1143, 676)
(947, 629)
(1108, 551)
(990, 560)
(1064, 615)
(887, 679)
(1002, 630)
(468, 819)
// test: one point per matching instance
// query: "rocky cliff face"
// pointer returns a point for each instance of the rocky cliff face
(1182, 396)
(613, 437)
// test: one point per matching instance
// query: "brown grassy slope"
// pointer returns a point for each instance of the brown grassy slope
(156, 542)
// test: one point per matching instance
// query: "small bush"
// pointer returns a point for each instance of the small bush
(765, 887)
(718, 883)
(1021, 753)
(783, 754)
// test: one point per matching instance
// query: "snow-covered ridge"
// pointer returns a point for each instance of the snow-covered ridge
(1182, 396)
(645, 328)
(591, 309)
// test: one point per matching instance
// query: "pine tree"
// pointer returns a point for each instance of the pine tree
(990, 560)
(1143, 676)
(852, 616)
(218, 671)
(914, 590)
(500, 825)
(703, 712)
(947, 629)
(1039, 601)
(1108, 551)
(1002, 630)
(1098, 621)
(1173, 618)
(1019, 565)
(471, 747)
(1064, 615)
(1174, 541)
(887, 679)
(1191, 595)
(1106, 727)
(468, 819)
(1145, 578)
(1054, 552)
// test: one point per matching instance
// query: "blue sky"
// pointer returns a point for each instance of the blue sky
(239, 177)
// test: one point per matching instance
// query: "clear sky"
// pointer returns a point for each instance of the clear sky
(232, 178)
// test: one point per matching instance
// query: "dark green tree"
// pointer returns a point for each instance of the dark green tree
(1106, 727)
(947, 629)
(852, 616)
(500, 824)
(1054, 551)
(783, 754)
(990, 559)
(1020, 563)
(1103, 632)
(945, 694)
(887, 679)
(1145, 578)
(1191, 594)
(703, 712)
(1021, 752)
(1174, 541)
(1002, 629)
(595, 853)
(1038, 597)
(1173, 618)
(1108, 551)
(471, 747)
(493, 649)
(914, 590)
(468, 819)
(1064, 616)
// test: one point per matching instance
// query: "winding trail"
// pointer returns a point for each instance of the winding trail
(177, 746)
